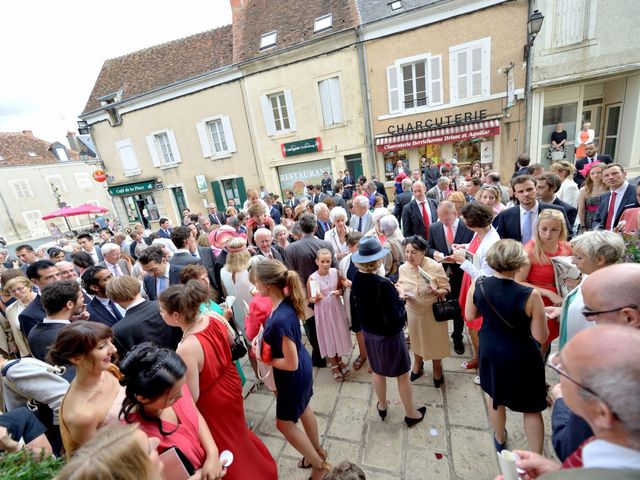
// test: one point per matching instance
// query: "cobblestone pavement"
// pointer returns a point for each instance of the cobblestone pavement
(453, 442)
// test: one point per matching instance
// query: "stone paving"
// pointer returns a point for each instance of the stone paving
(453, 442)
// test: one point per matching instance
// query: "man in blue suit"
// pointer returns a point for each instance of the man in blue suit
(164, 231)
(547, 186)
(419, 213)
(621, 195)
(101, 309)
(160, 274)
(519, 222)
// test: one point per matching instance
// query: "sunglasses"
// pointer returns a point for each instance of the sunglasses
(591, 313)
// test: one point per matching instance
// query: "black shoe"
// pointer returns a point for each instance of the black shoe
(382, 413)
(437, 382)
(414, 421)
(458, 347)
(500, 446)
(414, 376)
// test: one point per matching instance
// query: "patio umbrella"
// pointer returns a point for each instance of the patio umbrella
(61, 212)
(84, 209)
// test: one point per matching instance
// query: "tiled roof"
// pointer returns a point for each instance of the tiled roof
(16, 146)
(294, 21)
(155, 67)
(371, 10)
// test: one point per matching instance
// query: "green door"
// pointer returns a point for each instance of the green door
(178, 195)
(354, 165)
(217, 195)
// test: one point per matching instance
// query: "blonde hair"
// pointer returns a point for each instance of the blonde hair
(457, 197)
(492, 189)
(237, 261)
(123, 288)
(539, 254)
(562, 166)
(6, 288)
(112, 454)
(506, 256)
(273, 272)
(322, 252)
(369, 267)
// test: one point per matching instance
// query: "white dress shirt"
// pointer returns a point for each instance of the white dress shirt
(603, 454)
(620, 191)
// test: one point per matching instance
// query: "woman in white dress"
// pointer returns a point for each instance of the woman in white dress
(235, 279)
(337, 236)
(569, 191)
(19, 288)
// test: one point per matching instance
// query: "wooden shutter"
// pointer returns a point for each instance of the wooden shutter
(476, 72)
(174, 146)
(462, 73)
(290, 111)
(325, 102)
(217, 195)
(269, 124)
(203, 136)
(241, 190)
(228, 134)
(436, 80)
(569, 22)
(153, 151)
(392, 89)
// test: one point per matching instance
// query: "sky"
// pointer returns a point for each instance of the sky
(51, 52)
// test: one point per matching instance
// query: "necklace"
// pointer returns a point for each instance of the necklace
(188, 330)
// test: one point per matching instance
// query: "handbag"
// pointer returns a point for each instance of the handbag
(262, 352)
(446, 309)
(239, 346)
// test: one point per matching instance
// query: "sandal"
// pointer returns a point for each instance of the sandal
(337, 375)
(324, 469)
(304, 463)
(346, 371)
(357, 365)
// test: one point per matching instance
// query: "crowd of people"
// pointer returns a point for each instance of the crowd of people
(139, 336)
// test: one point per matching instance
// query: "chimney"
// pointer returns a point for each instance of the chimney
(71, 140)
(28, 132)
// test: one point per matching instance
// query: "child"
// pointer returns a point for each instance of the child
(258, 219)
(324, 291)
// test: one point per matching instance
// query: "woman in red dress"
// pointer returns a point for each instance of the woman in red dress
(213, 380)
(550, 240)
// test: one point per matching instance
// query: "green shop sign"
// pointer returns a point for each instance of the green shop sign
(301, 146)
(133, 188)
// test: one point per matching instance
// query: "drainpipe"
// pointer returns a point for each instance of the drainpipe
(10, 217)
(366, 101)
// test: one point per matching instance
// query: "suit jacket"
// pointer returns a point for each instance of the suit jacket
(405, 169)
(380, 189)
(339, 201)
(217, 218)
(435, 194)
(100, 313)
(521, 171)
(164, 234)
(569, 430)
(218, 263)
(367, 222)
(438, 242)
(301, 255)
(291, 202)
(276, 254)
(31, 316)
(42, 336)
(431, 175)
(581, 162)
(98, 253)
(507, 222)
(320, 231)
(570, 210)
(182, 259)
(275, 214)
(629, 200)
(350, 180)
(207, 260)
(123, 264)
(412, 221)
(401, 200)
(142, 323)
(149, 281)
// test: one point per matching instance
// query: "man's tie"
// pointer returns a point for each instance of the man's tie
(610, 212)
(117, 270)
(162, 285)
(526, 227)
(449, 235)
(114, 310)
(425, 219)
(360, 224)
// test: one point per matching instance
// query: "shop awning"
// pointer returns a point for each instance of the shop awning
(469, 131)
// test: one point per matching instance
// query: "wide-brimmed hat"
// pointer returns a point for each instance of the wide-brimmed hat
(369, 250)
(221, 236)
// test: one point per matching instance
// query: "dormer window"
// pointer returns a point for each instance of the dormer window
(110, 98)
(322, 23)
(32, 154)
(396, 5)
(268, 40)
(1, 158)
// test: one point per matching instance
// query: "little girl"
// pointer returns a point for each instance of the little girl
(324, 290)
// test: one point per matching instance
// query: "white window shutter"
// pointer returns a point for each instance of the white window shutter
(174, 146)
(203, 135)
(290, 110)
(453, 77)
(436, 80)
(325, 102)
(269, 124)
(463, 74)
(336, 99)
(477, 55)
(128, 159)
(392, 89)
(228, 134)
(153, 151)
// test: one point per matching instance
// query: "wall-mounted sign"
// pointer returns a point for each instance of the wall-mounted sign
(201, 183)
(511, 88)
(437, 122)
(133, 188)
(99, 176)
(301, 146)
(297, 176)
(159, 184)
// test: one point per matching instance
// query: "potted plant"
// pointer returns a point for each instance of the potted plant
(28, 465)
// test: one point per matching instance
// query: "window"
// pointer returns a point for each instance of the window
(277, 109)
(324, 22)
(268, 40)
(570, 22)
(415, 82)
(469, 69)
(21, 189)
(128, 159)
(84, 181)
(396, 5)
(551, 116)
(163, 149)
(32, 154)
(55, 183)
(330, 100)
(216, 137)
(62, 154)
(33, 219)
(612, 129)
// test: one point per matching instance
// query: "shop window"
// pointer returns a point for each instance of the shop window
(570, 22)
(21, 189)
(330, 101)
(470, 69)
(391, 159)
(552, 115)
(216, 137)
(466, 152)
(128, 159)
(277, 110)
(434, 152)
(163, 149)
(414, 82)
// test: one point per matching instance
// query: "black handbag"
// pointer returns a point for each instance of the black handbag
(446, 309)
(239, 348)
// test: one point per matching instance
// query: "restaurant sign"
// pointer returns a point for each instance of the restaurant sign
(133, 188)
(301, 146)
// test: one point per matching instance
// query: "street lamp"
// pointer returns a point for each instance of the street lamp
(534, 24)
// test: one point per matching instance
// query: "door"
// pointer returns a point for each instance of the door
(592, 114)
(178, 196)
(229, 189)
(612, 129)
(354, 165)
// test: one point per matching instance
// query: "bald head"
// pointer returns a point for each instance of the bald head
(624, 280)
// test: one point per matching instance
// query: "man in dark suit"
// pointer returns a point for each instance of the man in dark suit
(337, 196)
(164, 231)
(441, 190)
(419, 213)
(402, 199)
(186, 246)
(522, 164)
(215, 217)
(399, 168)
(300, 256)
(26, 255)
(264, 244)
(273, 209)
(380, 189)
(430, 173)
(160, 274)
(86, 242)
(621, 195)
(592, 157)
(519, 222)
(101, 309)
(206, 259)
(41, 273)
(291, 200)
(349, 183)
(449, 230)
(322, 217)
(547, 185)
(142, 321)
(61, 300)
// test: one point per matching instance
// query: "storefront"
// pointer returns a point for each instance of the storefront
(137, 201)
(297, 176)
(466, 142)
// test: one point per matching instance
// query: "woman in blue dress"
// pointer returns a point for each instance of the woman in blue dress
(292, 369)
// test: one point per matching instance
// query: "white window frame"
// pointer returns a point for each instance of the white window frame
(207, 142)
(133, 169)
(84, 181)
(268, 40)
(62, 188)
(267, 112)
(589, 26)
(485, 86)
(21, 189)
(42, 231)
(395, 82)
(158, 156)
(62, 154)
(322, 23)
(331, 108)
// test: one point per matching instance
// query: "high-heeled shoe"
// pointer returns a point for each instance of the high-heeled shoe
(324, 470)
(381, 412)
(413, 421)
(437, 382)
